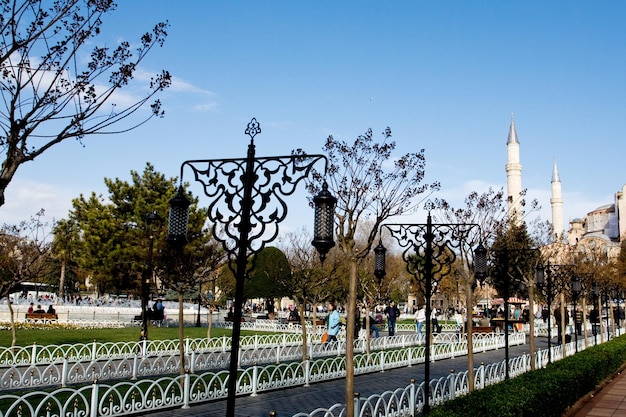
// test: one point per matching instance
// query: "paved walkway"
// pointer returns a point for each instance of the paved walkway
(288, 402)
(610, 401)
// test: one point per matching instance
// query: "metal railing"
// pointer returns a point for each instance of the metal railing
(145, 395)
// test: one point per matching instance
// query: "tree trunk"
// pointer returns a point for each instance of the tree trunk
(300, 308)
(12, 318)
(181, 333)
(61, 283)
(210, 322)
(350, 338)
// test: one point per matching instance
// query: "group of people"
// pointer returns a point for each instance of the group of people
(39, 309)
(333, 321)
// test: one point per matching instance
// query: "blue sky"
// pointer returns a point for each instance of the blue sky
(443, 75)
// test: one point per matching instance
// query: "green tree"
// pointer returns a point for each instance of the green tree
(54, 88)
(114, 242)
(513, 261)
(265, 280)
(65, 248)
(271, 269)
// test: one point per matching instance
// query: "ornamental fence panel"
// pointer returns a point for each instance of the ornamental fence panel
(141, 396)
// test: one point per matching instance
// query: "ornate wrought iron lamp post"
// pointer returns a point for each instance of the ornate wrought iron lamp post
(153, 222)
(576, 290)
(248, 205)
(428, 250)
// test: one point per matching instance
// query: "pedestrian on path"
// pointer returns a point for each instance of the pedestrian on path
(420, 318)
(332, 322)
(392, 312)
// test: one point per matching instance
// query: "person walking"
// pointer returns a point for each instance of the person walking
(332, 323)
(392, 312)
(420, 318)
(435, 321)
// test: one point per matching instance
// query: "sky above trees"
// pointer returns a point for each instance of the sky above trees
(444, 76)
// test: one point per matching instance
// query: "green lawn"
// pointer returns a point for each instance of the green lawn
(58, 336)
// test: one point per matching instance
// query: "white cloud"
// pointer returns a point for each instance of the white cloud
(25, 198)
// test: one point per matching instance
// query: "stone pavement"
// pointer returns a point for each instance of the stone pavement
(609, 401)
(288, 402)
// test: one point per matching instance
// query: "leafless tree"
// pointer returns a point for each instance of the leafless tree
(24, 256)
(54, 88)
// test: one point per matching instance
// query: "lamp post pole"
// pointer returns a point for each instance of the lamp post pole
(198, 322)
(596, 327)
(152, 221)
(428, 250)
(246, 208)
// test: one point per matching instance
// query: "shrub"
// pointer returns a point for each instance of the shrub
(547, 392)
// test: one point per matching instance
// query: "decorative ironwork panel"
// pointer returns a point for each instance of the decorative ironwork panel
(225, 182)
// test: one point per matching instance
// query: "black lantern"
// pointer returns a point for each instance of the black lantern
(480, 263)
(540, 277)
(379, 261)
(576, 286)
(178, 218)
(324, 221)
(596, 289)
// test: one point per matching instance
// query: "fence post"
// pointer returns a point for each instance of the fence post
(187, 388)
(412, 398)
(383, 354)
(357, 404)
(192, 362)
(409, 355)
(452, 384)
(255, 375)
(64, 373)
(135, 367)
(94, 354)
(307, 371)
(33, 355)
(481, 375)
(93, 406)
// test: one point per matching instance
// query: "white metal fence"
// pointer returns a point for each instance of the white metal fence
(145, 395)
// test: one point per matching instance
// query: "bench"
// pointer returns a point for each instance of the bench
(155, 320)
(43, 317)
(230, 319)
(482, 329)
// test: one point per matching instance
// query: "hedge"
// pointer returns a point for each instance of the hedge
(546, 392)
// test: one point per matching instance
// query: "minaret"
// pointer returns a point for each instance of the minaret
(514, 176)
(556, 202)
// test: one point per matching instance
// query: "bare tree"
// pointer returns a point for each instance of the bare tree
(54, 89)
(309, 280)
(489, 211)
(24, 256)
(367, 190)
(185, 268)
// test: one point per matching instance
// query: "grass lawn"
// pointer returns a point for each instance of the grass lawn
(59, 336)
